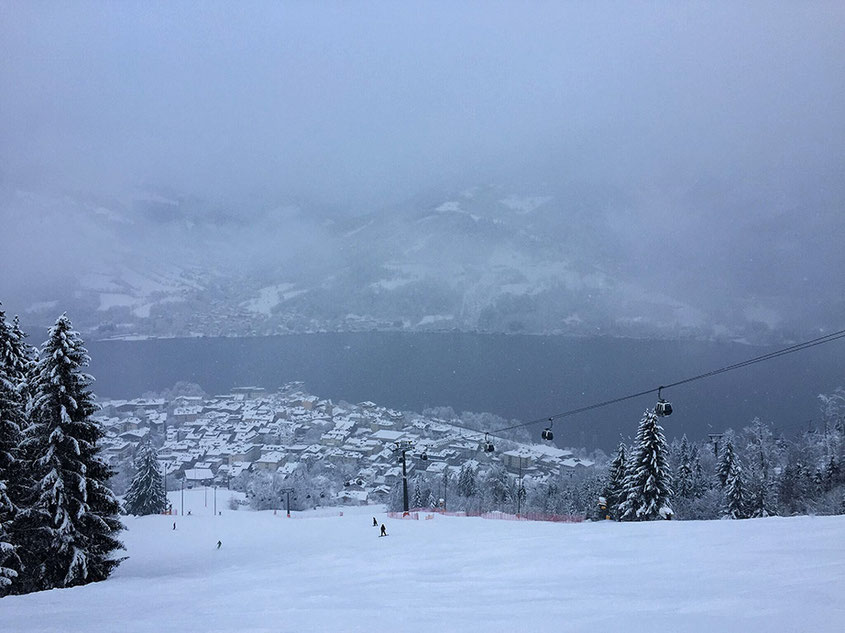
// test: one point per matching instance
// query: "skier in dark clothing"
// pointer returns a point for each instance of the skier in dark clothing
(375, 523)
(219, 543)
(383, 530)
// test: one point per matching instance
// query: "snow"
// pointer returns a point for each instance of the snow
(392, 284)
(99, 282)
(453, 574)
(435, 318)
(763, 314)
(525, 205)
(271, 296)
(450, 206)
(358, 229)
(110, 300)
(42, 306)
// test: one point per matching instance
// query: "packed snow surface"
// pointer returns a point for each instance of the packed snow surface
(334, 573)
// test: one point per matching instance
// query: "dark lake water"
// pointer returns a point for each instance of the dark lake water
(523, 377)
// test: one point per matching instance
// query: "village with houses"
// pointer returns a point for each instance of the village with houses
(226, 440)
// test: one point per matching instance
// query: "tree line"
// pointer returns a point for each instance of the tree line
(59, 520)
(742, 474)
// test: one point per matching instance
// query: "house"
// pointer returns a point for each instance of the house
(269, 463)
(117, 450)
(182, 415)
(245, 453)
(198, 476)
(353, 497)
(135, 436)
(388, 436)
(574, 463)
(517, 459)
(250, 393)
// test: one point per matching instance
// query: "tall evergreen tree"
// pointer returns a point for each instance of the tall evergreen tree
(467, 483)
(73, 518)
(551, 498)
(726, 460)
(700, 482)
(11, 482)
(735, 497)
(15, 354)
(13, 479)
(446, 483)
(831, 474)
(9, 559)
(759, 452)
(146, 492)
(793, 487)
(648, 482)
(497, 486)
(614, 489)
(684, 482)
(417, 500)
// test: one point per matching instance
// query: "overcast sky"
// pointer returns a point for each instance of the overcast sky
(711, 118)
(361, 102)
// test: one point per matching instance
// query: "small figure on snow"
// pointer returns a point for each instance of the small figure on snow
(174, 525)
(383, 530)
(375, 523)
(219, 543)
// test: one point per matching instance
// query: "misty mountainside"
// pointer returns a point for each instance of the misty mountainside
(568, 260)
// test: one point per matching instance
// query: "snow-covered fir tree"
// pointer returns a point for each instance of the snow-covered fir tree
(9, 560)
(684, 482)
(550, 498)
(726, 459)
(735, 497)
(467, 483)
(417, 501)
(497, 488)
(14, 481)
(11, 481)
(648, 482)
(16, 355)
(73, 516)
(832, 474)
(614, 490)
(446, 483)
(146, 492)
(794, 487)
(759, 453)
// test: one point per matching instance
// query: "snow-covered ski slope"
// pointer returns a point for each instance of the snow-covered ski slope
(455, 574)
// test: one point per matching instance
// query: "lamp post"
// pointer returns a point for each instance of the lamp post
(715, 437)
(183, 496)
(215, 499)
(287, 492)
(402, 446)
(445, 486)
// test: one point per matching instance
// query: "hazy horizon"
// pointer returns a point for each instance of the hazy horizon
(714, 134)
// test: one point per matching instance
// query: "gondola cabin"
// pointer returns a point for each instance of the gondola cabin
(663, 408)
